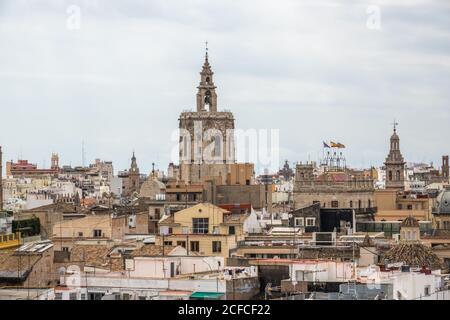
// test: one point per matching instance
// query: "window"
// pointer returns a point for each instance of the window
(181, 244)
(359, 204)
(72, 296)
(157, 213)
(65, 249)
(97, 233)
(170, 230)
(410, 207)
(231, 230)
(446, 225)
(200, 225)
(310, 222)
(335, 204)
(390, 175)
(83, 296)
(299, 222)
(80, 234)
(427, 290)
(167, 243)
(217, 246)
(195, 246)
(58, 296)
(185, 230)
(399, 206)
(351, 204)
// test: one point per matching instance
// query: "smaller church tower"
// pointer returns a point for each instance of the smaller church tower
(395, 164)
(445, 167)
(55, 161)
(134, 175)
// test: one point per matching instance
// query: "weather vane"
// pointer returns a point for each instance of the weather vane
(395, 125)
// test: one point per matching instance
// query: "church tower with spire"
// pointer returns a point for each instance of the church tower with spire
(133, 176)
(206, 135)
(395, 164)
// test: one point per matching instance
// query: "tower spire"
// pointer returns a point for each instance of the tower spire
(206, 95)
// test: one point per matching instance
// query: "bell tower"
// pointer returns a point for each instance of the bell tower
(206, 96)
(395, 165)
(206, 135)
(134, 185)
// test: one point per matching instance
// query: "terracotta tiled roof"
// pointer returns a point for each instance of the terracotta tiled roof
(11, 262)
(152, 250)
(94, 256)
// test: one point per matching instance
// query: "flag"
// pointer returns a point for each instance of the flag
(334, 144)
(325, 145)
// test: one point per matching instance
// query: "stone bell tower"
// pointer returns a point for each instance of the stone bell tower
(206, 135)
(395, 164)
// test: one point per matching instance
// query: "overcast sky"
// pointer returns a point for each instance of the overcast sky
(316, 70)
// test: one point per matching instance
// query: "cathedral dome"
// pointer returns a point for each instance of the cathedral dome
(443, 202)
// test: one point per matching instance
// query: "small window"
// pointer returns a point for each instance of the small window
(97, 233)
(72, 296)
(181, 244)
(231, 230)
(310, 222)
(80, 234)
(195, 246)
(299, 222)
(427, 290)
(170, 230)
(335, 204)
(167, 243)
(58, 296)
(65, 249)
(217, 246)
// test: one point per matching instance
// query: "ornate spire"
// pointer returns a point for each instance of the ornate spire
(206, 95)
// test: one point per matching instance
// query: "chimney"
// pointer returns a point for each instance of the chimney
(1, 179)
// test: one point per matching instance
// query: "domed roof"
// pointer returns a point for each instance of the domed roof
(413, 254)
(151, 188)
(410, 222)
(443, 202)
